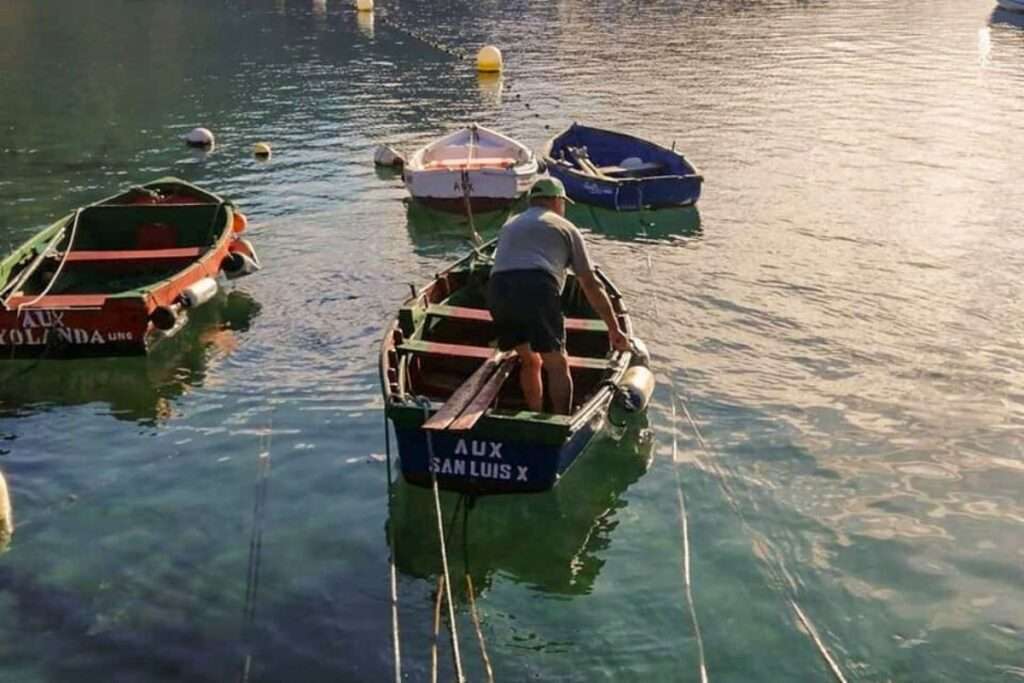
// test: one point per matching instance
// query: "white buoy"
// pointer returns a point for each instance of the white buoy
(489, 60)
(261, 150)
(388, 156)
(199, 137)
(364, 5)
(6, 515)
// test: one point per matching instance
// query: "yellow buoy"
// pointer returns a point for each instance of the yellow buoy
(261, 149)
(488, 59)
(364, 5)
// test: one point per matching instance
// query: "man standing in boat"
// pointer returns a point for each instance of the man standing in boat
(525, 293)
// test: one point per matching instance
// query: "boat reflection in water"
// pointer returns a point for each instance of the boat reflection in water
(429, 226)
(645, 225)
(491, 86)
(137, 388)
(552, 541)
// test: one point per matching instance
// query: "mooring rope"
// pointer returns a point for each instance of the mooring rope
(255, 553)
(394, 25)
(684, 523)
(477, 240)
(438, 600)
(710, 464)
(452, 627)
(60, 266)
(392, 569)
(719, 475)
(471, 591)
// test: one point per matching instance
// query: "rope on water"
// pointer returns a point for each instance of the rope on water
(711, 465)
(255, 553)
(438, 600)
(472, 594)
(687, 581)
(836, 671)
(460, 677)
(392, 569)
(394, 25)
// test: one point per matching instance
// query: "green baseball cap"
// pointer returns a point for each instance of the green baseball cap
(549, 187)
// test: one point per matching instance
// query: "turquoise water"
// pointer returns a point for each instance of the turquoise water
(841, 320)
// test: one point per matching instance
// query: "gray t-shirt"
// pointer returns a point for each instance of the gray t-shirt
(540, 239)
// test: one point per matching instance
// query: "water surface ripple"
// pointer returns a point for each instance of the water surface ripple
(841, 319)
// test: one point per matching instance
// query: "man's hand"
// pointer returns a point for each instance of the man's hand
(619, 341)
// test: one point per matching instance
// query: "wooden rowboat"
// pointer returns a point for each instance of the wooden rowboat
(119, 275)
(492, 170)
(445, 391)
(620, 172)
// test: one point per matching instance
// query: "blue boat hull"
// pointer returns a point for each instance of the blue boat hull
(470, 462)
(628, 195)
(675, 182)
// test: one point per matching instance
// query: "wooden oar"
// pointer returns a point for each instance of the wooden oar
(467, 391)
(483, 398)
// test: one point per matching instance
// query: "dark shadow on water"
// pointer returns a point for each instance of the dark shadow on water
(135, 388)
(648, 225)
(553, 541)
(388, 173)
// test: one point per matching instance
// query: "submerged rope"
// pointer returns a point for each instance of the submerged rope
(710, 464)
(687, 581)
(438, 600)
(471, 591)
(460, 677)
(255, 554)
(392, 569)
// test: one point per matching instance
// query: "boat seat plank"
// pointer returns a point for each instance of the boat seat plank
(645, 167)
(470, 164)
(180, 254)
(484, 352)
(483, 315)
(485, 381)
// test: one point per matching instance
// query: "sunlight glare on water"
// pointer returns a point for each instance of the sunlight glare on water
(841, 317)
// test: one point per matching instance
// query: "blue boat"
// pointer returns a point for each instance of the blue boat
(455, 417)
(620, 172)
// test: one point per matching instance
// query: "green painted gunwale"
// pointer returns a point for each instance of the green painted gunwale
(30, 248)
(508, 425)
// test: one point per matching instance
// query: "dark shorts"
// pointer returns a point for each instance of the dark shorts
(527, 308)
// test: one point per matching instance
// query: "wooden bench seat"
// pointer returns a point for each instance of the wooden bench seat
(470, 164)
(484, 353)
(483, 315)
(141, 255)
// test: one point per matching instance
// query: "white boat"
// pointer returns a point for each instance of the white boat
(1012, 5)
(488, 168)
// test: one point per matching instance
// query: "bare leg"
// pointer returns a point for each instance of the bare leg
(556, 366)
(530, 378)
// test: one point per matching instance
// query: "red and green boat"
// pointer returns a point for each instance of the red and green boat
(117, 276)
(455, 416)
